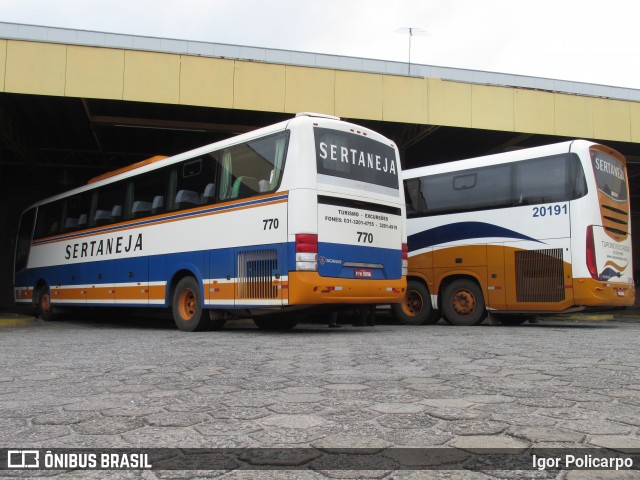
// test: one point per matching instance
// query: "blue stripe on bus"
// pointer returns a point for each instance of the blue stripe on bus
(461, 231)
(204, 264)
(160, 219)
(333, 256)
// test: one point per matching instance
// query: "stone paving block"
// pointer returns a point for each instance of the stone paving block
(391, 386)
(489, 441)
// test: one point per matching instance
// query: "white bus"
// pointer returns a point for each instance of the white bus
(306, 212)
(526, 232)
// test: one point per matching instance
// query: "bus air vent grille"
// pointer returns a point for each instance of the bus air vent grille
(540, 275)
(256, 269)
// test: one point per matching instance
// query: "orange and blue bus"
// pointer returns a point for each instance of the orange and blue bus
(516, 234)
(303, 213)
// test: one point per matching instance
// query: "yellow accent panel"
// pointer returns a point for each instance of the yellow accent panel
(259, 86)
(573, 116)
(35, 68)
(611, 120)
(94, 72)
(151, 77)
(207, 82)
(359, 95)
(449, 103)
(310, 90)
(404, 99)
(533, 112)
(3, 60)
(634, 115)
(492, 108)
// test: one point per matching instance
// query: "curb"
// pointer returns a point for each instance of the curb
(12, 320)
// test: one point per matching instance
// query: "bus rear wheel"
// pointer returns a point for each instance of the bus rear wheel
(415, 308)
(188, 314)
(463, 303)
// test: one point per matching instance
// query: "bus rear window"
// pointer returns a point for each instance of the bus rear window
(354, 157)
(610, 175)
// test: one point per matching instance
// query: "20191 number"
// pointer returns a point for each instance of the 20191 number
(550, 210)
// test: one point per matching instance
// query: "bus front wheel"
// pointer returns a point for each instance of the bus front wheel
(45, 309)
(415, 308)
(463, 303)
(188, 314)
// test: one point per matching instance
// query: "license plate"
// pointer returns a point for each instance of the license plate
(363, 273)
(620, 292)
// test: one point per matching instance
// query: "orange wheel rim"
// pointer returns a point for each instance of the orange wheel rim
(463, 302)
(413, 303)
(187, 304)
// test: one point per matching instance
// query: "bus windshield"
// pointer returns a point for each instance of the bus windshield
(344, 157)
(610, 176)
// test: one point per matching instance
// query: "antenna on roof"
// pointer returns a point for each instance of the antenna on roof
(412, 31)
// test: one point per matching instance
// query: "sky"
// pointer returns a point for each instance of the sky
(592, 41)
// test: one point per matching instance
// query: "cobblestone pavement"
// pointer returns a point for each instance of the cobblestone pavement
(136, 383)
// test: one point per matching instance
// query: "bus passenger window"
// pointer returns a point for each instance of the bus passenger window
(116, 213)
(82, 221)
(158, 205)
(140, 209)
(70, 224)
(209, 194)
(102, 217)
(187, 199)
(245, 187)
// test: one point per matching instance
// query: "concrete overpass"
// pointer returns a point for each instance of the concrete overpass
(76, 103)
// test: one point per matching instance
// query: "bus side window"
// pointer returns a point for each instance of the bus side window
(25, 232)
(251, 168)
(209, 194)
(147, 194)
(157, 206)
(415, 200)
(48, 220)
(195, 182)
(104, 203)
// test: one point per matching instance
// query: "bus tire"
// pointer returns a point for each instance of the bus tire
(416, 308)
(188, 314)
(271, 323)
(463, 303)
(45, 310)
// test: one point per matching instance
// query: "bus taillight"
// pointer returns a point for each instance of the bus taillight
(591, 254)
(307, 252)
(405, 259)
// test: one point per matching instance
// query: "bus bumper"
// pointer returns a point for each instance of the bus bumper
(309, 288)
(594, 293)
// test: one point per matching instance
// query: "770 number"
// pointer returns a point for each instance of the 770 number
(364, 237)
(270, 224)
